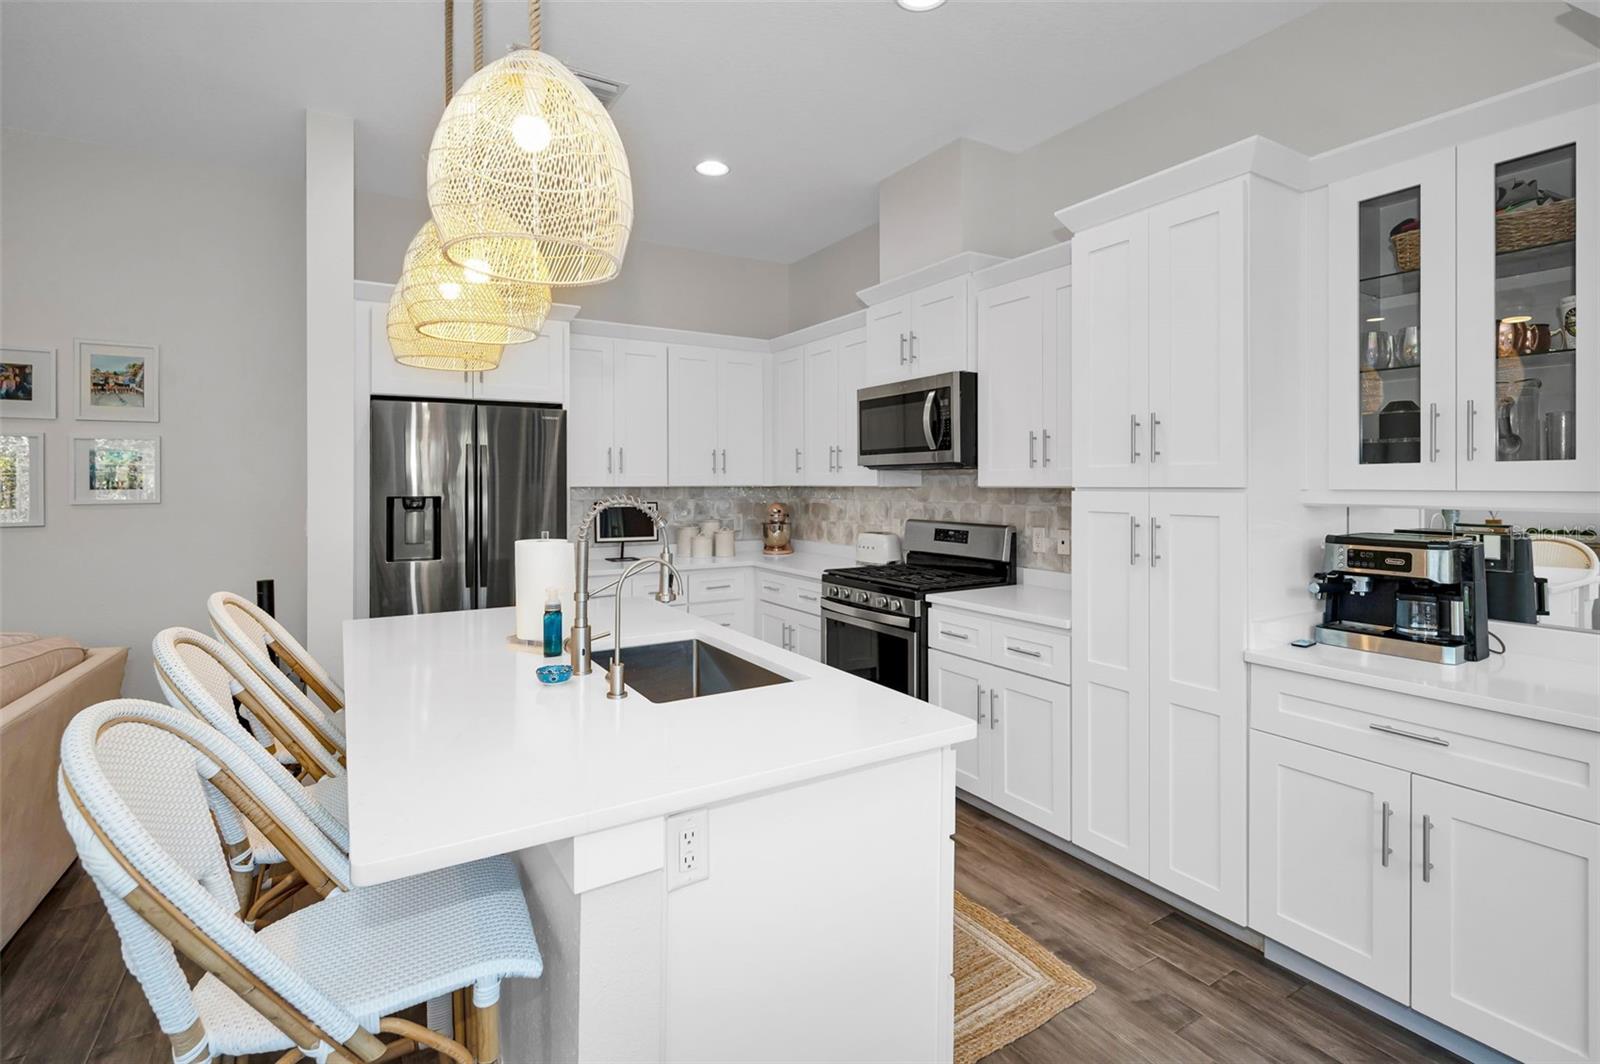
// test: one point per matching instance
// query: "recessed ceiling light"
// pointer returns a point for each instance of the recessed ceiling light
(711, 167)
(919, 5)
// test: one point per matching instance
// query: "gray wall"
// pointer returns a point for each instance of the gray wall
(209, 265)
(824, 285)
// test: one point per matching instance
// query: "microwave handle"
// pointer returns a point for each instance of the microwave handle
(927, 420)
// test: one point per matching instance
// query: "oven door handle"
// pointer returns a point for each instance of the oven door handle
(878, 622)
(927, 420)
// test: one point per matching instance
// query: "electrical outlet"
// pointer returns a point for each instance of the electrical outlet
(1063, 543)
(1041, 540)
(688, 849)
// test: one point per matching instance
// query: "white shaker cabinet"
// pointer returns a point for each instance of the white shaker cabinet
(1159, 344)
(1504, 929)
(924, 332)
(790, 629)
(821, 411)
(616, 419)
(888, 341)
(1023, 357)
(789, 413)
(716, 419)
(534, 372)
(852, 378)
(957, 684)
(1158, 716)
(1330, 865)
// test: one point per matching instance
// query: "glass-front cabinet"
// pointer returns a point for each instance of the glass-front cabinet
(1456, 283)
(1391, 326)
(1528, 243)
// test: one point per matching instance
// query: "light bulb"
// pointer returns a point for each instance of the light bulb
(450, 290)
(711, 168)
(919, 5)
(531, 132)
(475, 270)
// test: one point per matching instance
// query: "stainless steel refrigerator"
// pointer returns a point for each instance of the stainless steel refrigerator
(454, 486)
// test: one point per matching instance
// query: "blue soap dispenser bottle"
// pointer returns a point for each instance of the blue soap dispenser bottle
(552, 623)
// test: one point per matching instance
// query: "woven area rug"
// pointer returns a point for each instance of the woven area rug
(1006, 983)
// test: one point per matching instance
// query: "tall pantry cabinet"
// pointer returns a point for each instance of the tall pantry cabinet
(1166, 317)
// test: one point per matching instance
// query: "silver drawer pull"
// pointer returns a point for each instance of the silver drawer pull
(948, 634)
(771, 587)
(717, 587)
(1024, 653)
(808, 598)
(1427, 849)
(1387, 852)
(1389, 729)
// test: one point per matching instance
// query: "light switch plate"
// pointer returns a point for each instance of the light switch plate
(1041, 540)
(1063, 543)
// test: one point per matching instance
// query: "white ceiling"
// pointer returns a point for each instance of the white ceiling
(810, 102)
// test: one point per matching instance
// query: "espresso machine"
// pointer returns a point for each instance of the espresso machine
(1409, 594)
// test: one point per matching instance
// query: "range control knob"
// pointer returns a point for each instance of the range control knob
(862, 596)
(833, 592)
(895, 606)
(879, 601)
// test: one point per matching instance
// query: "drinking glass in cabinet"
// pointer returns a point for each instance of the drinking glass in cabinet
(1535, 277)
(1388, 334)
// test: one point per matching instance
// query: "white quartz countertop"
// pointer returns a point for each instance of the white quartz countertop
(804, 563)
(457, 752)
(1558, 690)
(1019, 602)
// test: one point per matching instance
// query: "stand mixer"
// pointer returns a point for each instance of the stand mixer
(775, 530)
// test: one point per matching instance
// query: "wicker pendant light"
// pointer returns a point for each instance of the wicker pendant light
(411, 348)
(447, 302)
(527, 178)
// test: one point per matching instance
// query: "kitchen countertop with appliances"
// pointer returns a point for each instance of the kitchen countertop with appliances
(1049, 606)
(808, 561)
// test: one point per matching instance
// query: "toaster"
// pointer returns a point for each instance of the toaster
(876, 548)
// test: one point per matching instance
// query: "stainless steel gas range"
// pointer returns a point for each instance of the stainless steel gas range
(874, 617)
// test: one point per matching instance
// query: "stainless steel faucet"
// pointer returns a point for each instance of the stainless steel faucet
(582, 632)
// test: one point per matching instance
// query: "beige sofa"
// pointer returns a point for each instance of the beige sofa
(42, 684)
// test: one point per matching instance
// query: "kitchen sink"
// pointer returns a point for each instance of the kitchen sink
(671, 672)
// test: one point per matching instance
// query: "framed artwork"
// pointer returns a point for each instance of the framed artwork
(119, 469)
(118, 382)
(21, 479)
(27, 382)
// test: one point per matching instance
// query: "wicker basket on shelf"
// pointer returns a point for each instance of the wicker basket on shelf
(1407, 249)
(1549, 224)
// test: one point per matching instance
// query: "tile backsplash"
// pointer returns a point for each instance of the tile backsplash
(835, 515)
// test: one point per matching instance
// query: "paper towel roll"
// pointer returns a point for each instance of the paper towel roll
(541, 565)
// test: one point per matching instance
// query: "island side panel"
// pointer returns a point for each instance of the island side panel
(823, 932)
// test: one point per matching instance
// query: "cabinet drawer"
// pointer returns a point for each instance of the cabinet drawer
(1033, 649)
(774, 589)
(715, 586)
(727, 614)
(959, 633)
(805, 596)
(1529, 761)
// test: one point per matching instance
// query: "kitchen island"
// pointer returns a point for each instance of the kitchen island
(769, 942)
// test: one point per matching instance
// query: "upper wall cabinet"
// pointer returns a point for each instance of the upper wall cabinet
(1452, 280)
(717, 415)
(1159, 344)
(789, 416)
(1024, 381)
(921, 333)
(534, 372)
(617, 413)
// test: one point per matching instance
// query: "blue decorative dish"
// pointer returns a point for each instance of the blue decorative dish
(554, 673)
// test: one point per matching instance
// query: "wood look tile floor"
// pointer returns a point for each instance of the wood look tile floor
(1169, 989)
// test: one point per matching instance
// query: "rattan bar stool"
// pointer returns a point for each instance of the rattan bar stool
(255, 635)
(323, 981)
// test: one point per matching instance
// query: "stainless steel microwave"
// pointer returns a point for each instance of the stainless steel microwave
(927, 423)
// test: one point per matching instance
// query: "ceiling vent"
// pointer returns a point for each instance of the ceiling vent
(605, 89)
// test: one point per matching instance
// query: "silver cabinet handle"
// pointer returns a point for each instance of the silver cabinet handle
(994, 713)
(1389, 729)
(771, 587)
(717, 587)
(1044, 452)
(1472, 416)
(608, 459)
(1023, 652)
(1133, 438)
(1427, 849)
(1154, 422)
(1033, 438)
(1387, 812)
(786, 637)
(927, 420)
(948, 634)
(833, 459)
(713, 461)
(980, 703)
(622, 465)
(1155, 526)
(1133, 540)
(913, 348)
(724, 459)
(902, 349)
(1433, 432)
(797, 459)
(806, 597)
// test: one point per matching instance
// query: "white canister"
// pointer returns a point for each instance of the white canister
(723, 543)
(709, 528)
(700, 546)
(686, 536)
(542, 564)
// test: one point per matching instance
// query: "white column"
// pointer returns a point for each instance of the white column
(330, 384)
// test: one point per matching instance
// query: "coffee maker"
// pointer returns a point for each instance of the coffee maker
(1408, 594)
(1514, 591)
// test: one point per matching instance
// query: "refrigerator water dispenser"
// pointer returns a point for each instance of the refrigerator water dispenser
(413, 528)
